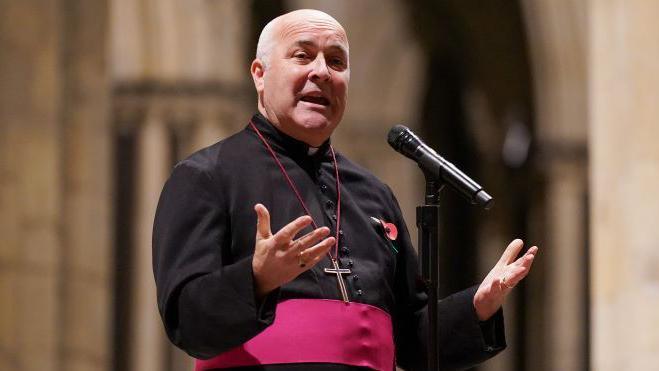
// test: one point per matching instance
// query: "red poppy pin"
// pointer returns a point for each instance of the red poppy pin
(390, 229)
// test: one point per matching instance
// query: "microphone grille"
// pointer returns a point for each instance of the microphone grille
(395, 134)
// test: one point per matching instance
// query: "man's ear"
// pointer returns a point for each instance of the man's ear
(258, 70)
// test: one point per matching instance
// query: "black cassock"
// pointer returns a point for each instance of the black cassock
(203, 242)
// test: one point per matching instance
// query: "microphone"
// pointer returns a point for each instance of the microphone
(403, 140)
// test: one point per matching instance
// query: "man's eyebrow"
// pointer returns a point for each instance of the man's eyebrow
(307, 43)
(312, 44)
(339, 48)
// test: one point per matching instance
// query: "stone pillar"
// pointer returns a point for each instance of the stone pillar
(87, 218)
(147, 335)
(30, 186)
(624, 129)
(558, 46)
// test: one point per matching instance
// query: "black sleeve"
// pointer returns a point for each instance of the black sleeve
(464, 341)
(207, 303)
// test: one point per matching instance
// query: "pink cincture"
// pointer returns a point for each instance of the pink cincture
(317, 331)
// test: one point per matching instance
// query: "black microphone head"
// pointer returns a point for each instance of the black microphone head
(483, 199)
(395, 135)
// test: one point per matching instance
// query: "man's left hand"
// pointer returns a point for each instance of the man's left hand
(502, 279)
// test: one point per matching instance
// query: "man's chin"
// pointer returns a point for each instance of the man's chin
(313, 120)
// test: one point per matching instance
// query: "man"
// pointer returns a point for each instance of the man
(273, 252)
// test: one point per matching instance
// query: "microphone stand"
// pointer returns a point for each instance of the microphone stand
(427, 221)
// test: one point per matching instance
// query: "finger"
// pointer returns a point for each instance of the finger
(533, 250)
(513, 277)
(511, 251)
(518, 273)
(286, 234)
(311, 238)
(315, 253)
(262, 221)
(526, 260)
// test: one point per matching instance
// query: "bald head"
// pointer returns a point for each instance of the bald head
(301, 74)
(276, 29)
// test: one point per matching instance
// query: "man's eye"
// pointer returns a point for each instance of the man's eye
(301, 55)
(337, 62)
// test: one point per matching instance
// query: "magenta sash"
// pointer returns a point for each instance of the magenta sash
(316, 331)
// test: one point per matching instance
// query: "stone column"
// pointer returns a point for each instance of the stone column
(30, 186)
(558, 46)
(624, 132)
(147, 336)
(87, 218)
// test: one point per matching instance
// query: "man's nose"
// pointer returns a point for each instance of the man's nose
(320, 69)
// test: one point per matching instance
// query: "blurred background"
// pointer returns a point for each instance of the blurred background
(552, 105)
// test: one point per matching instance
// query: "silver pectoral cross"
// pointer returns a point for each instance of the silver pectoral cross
(339, 271)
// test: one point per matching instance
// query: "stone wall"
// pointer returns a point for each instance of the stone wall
(624, 178)
(55, 208)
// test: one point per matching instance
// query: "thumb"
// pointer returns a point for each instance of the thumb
(262, 222)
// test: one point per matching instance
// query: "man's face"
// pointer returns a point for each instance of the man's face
(304, 85)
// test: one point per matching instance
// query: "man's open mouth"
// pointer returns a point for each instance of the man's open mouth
(316, 100)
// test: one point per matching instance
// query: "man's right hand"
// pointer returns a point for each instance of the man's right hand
(279, 258)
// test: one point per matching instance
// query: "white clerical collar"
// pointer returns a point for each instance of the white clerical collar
(312, 150)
